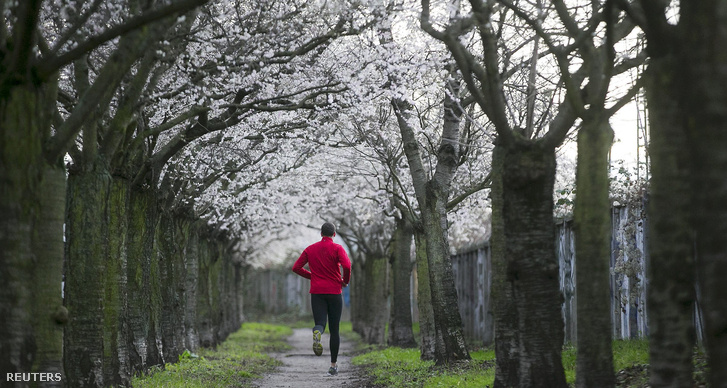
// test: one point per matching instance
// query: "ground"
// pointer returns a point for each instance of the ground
(303, 369)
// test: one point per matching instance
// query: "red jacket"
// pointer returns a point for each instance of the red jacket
(324, 258)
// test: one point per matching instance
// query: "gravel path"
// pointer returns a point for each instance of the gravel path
(303, 369)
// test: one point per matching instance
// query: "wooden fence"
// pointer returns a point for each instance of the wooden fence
(473, 278)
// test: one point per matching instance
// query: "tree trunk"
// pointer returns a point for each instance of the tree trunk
(87, 232)
(28, 242)
(141, 281)
(506, 333)
(671, 294)
(594, 364)
(400, 324)
(532, 265)
(117, 370)
(214, 291)
(375, 294)
(48, 311)
(204, 304)
(445, 305)
(706, 109)
(432, 196)
(424, 298)
(191, 290)
(172, 237)
(358, 286)
(239, 294)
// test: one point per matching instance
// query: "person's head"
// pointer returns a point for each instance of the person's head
(328, 230)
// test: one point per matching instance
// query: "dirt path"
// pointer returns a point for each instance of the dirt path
(303, 369)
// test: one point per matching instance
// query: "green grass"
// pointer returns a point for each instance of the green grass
(235, 362)
(627, 353)
(394, 367)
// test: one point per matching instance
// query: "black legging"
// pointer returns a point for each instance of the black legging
(328, 307)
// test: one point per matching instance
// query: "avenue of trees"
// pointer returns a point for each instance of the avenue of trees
(149, 150)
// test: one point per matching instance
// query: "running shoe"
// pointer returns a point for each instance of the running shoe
(317, 347)
(332, 371)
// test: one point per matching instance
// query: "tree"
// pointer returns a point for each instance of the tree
(671, 278)
(592, 208)
(524, 156)
(686, 205)
(355, 201)
(372, 240)
(32, 175)
(445, 146)
(377, 148)
(526, 180)
(432, 196)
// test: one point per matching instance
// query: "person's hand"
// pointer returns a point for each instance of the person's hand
(345, 285)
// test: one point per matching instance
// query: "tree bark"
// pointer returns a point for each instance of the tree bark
(424, 298)
(87, 226)
(594, 363)
(203, 319)
(705, 105)
(400, 324)
(358, 286)
(445, 305)
(23, 170)
(213, 291)
(532, 265)
(142, 281)
(506, 333)
(671, 295)
(49, 314)
(375, 294)
(191, 291)
(172, 237)
(117, 370)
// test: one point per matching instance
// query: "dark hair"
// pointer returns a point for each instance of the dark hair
(328, 229)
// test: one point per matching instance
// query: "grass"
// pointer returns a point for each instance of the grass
(235, 362)
(241, 358)
(395, 367)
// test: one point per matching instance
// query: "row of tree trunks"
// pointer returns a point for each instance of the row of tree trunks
(141, 285)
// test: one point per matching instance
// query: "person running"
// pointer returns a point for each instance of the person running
(325, 260)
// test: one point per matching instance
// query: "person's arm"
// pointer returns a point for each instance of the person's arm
(346, 265)
(298, 266)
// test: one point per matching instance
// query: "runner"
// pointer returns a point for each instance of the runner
(325, 260)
